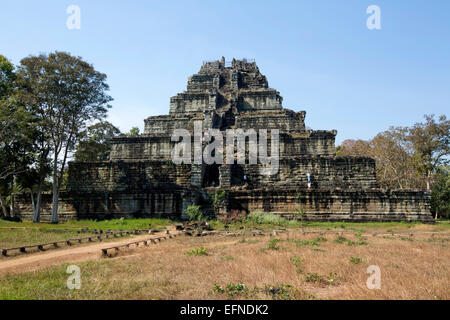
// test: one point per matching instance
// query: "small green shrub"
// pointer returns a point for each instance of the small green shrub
(218, 196)
(217, 288)
(340, 239)
(231, 289)
(236, 289)
(297, 261)
(280, 292)
(361, 241)
(120, 221)
(313, 277)
(300, 242)
(194, 213)
(273, 244)
(355, 260)
(332, 278)
(197, 252)
(265, 218)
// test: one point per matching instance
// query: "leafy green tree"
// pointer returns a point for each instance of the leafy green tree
(194, 213)
(440, 196)
(134, 131)
(407, 157)
(95, 143)
(430, 141)
(66, 94)
(6, 76)
(17, 133)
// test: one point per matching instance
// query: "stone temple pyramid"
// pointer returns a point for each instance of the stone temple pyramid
(312, 183)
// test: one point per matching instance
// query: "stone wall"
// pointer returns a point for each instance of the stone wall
(166, 124)
(24, 210)
(325, 172)
(159, 147)
(267, 99)
(141, 148)
(191, 102)
(284, 121)
(336, 205)
(127, 176)
(107, 205)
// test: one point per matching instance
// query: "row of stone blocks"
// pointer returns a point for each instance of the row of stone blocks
(317, 205)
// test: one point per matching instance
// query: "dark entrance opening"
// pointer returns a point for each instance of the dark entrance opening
(211, 175)
(237, 175)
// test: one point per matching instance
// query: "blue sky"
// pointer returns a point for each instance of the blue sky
(318, 54)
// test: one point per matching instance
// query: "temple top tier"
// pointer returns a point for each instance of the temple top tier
(221, 86)
(244, 67)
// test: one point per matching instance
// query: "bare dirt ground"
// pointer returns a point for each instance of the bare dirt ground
(40, 260)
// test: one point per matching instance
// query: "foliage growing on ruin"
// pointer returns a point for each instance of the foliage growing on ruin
(94, 144)
(194, 213)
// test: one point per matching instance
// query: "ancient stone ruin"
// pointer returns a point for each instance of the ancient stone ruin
(312, 183)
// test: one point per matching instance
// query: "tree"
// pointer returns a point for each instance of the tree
(17, 132)
(440, 196)
(6, 76)
(95, 143)
(6, 124)
(430, 141)
(352, 147)
(393, 162)
(406, 157)
(134, 131)
(66, 94)
(395, 168)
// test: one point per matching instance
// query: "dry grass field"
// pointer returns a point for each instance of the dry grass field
(289, 265)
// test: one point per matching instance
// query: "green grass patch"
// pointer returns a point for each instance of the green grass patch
(236, 289)
(113, 224)
(231, 289)
(355, 260)
(340, 239)
(273, 244)
(315, 242)
(313, 277)
(197, 252)
(14, 234)
(281, 292)
(227, 258)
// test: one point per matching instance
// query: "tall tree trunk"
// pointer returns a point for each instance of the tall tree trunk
(55, 203)
(11, 202)
(54, 218)
(2, 204)
(55, 192)
(57, 179)
(33, 206)
(37, 208)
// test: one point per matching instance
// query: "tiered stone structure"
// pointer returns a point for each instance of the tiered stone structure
(140, 180)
